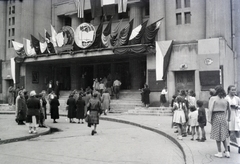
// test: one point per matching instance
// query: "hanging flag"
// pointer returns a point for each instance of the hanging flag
(137, 33)
(106, 34)
(151, 32)
(30, 51)
(43, 44)
(163, 55)
(35, 44)
(109, 7)
(114, 34)
(96, 8)
(60, 39)
(125, 34)
(18, 47)
(122, 6)
(50, 47)
(13, 70)
(53, 38)
(97, 42)
(80, 4)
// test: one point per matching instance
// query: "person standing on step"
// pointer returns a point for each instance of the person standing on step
(145, 94)
(218, 108)
(234, 124)
(163, 98)
(116, 87)
(54, 104)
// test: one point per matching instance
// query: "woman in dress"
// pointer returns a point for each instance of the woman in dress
(146, 93)
(218, 107)
(94, 111)
(33, 110)
(54, 109)
(80, 109)
(71, 102)
(234, 103)
(105, 101)
(21, 108)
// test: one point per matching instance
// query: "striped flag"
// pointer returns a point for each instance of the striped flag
(53, 38)
(30, 51)
(19, 48)
(80, 4)
(137, 33)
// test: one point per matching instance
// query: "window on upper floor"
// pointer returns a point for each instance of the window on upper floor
(187, 3)
(67, 21)
(10, 10)
(179, 18)
(13, 20)
(187, 16)
(87, 16)
(13, 9)
(146, 8)
(13, 31)
(9, 21)
(178, 4)
(9, 43)
(9, 32)
(124, 15)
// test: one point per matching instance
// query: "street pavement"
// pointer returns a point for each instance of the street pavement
(155, 141)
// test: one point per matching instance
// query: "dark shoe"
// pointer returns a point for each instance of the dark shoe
(92, 132)
(197, 139)
(192, 139)
(184, 135)
(78, 122)
(54, 121)
(73, 122)
(176, 131)
(95, 132)
(21, 123)
(229, 148)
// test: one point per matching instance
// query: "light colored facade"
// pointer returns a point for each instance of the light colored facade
(200, 30)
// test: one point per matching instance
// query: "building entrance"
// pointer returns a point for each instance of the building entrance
(184, 80)
(63, 75)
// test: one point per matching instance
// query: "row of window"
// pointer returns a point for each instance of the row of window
(11, 10)
(179, 4)
(10, 45)
(11, 32)
(11, 21)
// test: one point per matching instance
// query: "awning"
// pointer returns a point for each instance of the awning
(163, 55)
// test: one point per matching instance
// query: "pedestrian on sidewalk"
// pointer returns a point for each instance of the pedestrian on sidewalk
(234, 124)
(94, 112)
(202, 119)
(80, 108)
(43, 110)
(179, 115)
(105, 99)
(218, 107)
(33, 111)
(71, 108)
(21, 108)
(54, 110)
(193, 121)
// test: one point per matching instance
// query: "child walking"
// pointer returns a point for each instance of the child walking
(179, 116)
(193, 121)
(202, 119)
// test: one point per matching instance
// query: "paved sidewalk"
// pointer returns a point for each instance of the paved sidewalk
(195, 152)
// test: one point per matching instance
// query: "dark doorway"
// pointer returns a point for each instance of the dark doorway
(184, 80)
(63, 75)
(103, 70)
(87, 72)
(122, 73)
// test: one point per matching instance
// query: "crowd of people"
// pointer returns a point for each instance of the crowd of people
(189, 115)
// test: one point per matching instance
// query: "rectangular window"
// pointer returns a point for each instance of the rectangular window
(9, 21)
(13, 9)
(9, 32)
(13, 31)
(13, 20)
(68, 21)
(179, 18)
(10, 10)
(9, 43)
(187, 3)
(178, 4)
(147, 9)
(187, 17)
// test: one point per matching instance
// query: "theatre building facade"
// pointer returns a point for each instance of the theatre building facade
(182, 44)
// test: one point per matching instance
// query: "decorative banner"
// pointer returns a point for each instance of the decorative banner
(85, 35)
(68, 34)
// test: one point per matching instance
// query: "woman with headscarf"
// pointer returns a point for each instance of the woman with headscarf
(80, 109)
(21, 108)
(234, 124)
(33, 111)
(54, 108)
(94, 111)
(218, 108)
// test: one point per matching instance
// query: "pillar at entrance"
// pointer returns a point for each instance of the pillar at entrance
(135, 72)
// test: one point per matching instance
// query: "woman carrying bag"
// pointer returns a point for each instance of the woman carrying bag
(93, 113)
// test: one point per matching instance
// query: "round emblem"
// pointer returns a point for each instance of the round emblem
(208, 61)
(85, 35)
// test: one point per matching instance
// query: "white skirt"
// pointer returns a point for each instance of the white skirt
(179, 117)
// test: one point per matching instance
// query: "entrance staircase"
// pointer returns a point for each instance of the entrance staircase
(129, 102)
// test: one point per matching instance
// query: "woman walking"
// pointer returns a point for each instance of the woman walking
(80, 109)
(94, 111)
(105, 101)
(33, 105)
(54, 109)
(71, 108)
(234, 124)
(218, 107)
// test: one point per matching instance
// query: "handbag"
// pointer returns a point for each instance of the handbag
(87, 118)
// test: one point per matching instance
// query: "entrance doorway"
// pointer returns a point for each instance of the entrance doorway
(184, 80)
(122, 73)
(86, 76)
(63, 75)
